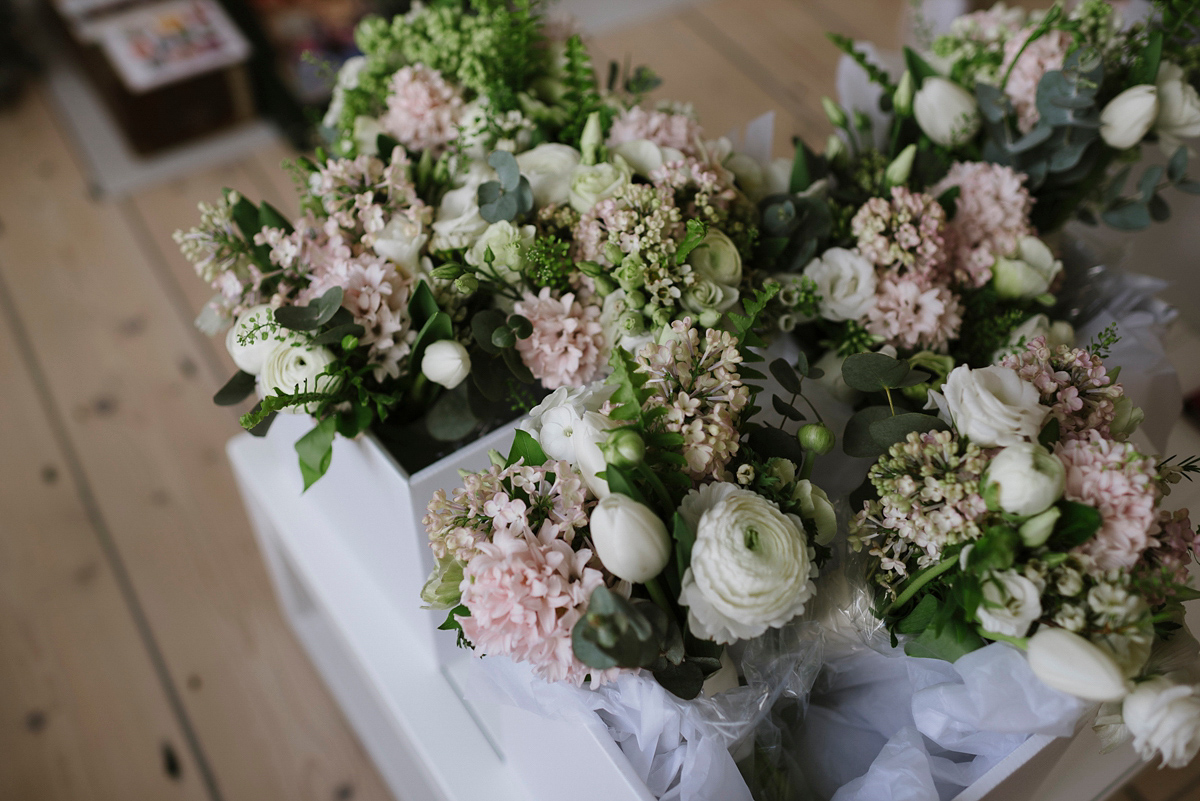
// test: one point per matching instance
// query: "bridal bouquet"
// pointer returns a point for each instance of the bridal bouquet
(1022, 514)
(633, 526)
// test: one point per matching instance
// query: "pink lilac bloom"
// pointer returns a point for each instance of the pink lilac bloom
(566, 348)
(709, 188)
(910, 313)
(992, 214)
(1119, 482)
(1073, 383)
(904, 234)
(663, 128)
(423, 109)
(1044, 54)
(1169, 557)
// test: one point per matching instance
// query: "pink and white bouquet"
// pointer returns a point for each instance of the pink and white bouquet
(633, 526)
(1023, 514)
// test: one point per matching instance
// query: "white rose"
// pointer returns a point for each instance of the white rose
(751, 565)
(1164, 718)
(1028, 273)
(716, 259)
(446, 362)
(992, 406)
(1056, 333)
(509, 244)
(253, 337)
(297, 367)
(644, 156)
(1129, 116)
(548, 168)
(815, 506)
(947, 113)
(846, 283)
(1011, 603)
(366, 135)
(630, 539)
(1178, 107)
(591, 183)
(458, 222)
(401, 242)
(1025, 478)
(1069, 663)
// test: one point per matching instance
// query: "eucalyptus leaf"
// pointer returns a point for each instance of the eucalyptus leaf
(1177, 166)
(1148, 185)
(786, 375)
(311, 317)
(857, 440)
(786, 409)
(1191, 187)
(684, 680)
(1128, 216)
(873, 372)
(335, 335)
(1160, 210)
(483, 324)
(890, 430)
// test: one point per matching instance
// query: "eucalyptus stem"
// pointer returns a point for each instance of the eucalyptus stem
(891, 405)
(920, 580)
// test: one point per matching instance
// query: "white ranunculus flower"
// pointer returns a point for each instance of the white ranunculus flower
(704, 297)
(1011, 603)
(644, 156)
(716, 259)
(751, 564)
(1129, 116)
(992, 406)
(591, 183)
(446, 362)
(1028, 273)
(1025, 478)
(1069, 663)
(846, 283)
(1059, 332)
(401, 242)
(1178, 107)
(630, 539)
(253, 337)
(1164, 718)
(296, 366)
(548, 168)
(946, 112)
(816, 507)
(509, 244)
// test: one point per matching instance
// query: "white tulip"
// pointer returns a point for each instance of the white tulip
(296, 366)
(716, 259)
(751, 565)
(548, 168)
(992, 406)
(1011, 603)
(1028, 273)
(253, 337)
(591, 183)
(446, 362)
(630, 539)
(644, 156)
(1164, 718)
(1069, 663)
(1024, 479)
(1178, 107)
(401, 242)
(1129, 116)
(946, 112)
(846, 283)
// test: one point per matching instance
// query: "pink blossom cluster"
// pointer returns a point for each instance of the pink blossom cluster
(567, 347)
(910, 314)
(991, 215)
(701, 189)
(1073, 383)
(699, 384)
(663, 128)
(423, 109)
(1046, 53)
(1118, 481)
(1170, 554)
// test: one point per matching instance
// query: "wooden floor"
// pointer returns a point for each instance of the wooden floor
(142, 655)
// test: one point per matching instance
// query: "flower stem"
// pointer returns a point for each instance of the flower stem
(891, 405)
(920, 580)
(660, 490)
(1020, 642)
(659, 597)
(807, 469)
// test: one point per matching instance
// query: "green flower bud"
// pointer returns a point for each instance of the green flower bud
(710, 318)
(816, 438)
(938, 365)
(631, 323)
(613, 253)
(898, 171)
(836, 116)
(590, 268)
(604, 285)
(448, 272)
(592, 138)
(902, 100)
(660, 317)
(862, 123)
(835, 149)
(349, 342)
(636, 299)
(624, 448)
(1036, 530)
(466, 283)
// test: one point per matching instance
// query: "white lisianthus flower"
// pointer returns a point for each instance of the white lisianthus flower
(751, 566)
(1178, 107)
(1069, 663)
(1059, 332)
(716, 259)
(446, 362)
(947, 113)
(509, 244)
(591, 183)
(1011, 603)
(1024, 479)
(1028, 273)
(630, 539)
(254, 336)
(1164, 718)
(992, 406)
(846, 283)
(401, 242)
(296, 366)
(549, 167)
(644, 156)
(816, 507)
(1128, 117)
(569, 427)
